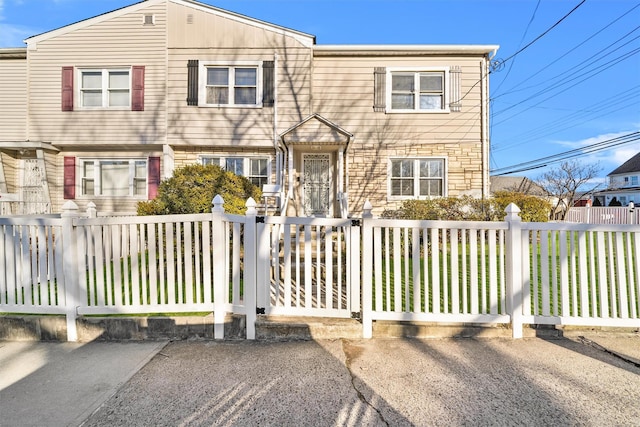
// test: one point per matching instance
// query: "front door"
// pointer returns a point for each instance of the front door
(317, 184)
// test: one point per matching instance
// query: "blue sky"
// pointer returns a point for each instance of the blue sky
(577, 85)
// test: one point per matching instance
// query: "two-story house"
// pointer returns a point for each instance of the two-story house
(623, 184)
(101, 110)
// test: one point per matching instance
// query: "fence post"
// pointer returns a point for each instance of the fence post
(91, 210)
(367, 269)
(219, 264)
(70, 268)
(514, 273)
(250, 270)
(631, 216)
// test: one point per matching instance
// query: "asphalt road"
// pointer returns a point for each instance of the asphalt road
(593, 381)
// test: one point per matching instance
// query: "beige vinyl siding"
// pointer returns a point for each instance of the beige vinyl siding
(122, 41)
(13, 99)
(344, 94)
(228, 41)
(195, 28)
(236, 126)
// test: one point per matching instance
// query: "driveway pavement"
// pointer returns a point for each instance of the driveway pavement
(592, 381)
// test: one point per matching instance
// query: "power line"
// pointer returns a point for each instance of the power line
(544, 33)
(512, 89)
(544, 161)
(498, 64)
(601, 68)
(526, 30)
(601, 108)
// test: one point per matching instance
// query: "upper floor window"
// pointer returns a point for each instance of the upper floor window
(416, 177)
(231, 85)
(412, 90)
(254, 168)
(114, 177)
(106, 88)
(96, 88)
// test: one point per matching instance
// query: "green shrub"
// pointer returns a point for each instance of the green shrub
(466, 208)
(532, 208)
(192, 188)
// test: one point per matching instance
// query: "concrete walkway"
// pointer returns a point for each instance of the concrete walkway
(593, 380)
(61, 384)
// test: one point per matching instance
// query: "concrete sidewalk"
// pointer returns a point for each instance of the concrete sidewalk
(588, 380)
(61, 384)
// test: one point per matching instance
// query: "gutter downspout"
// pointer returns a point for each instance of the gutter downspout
(276, 143)
(485, 124)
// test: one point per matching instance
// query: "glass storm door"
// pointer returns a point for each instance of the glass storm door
(317, 184)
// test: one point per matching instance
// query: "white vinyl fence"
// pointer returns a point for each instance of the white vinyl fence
(377, 269)
(604, 215)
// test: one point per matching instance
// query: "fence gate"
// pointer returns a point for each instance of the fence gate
(314, 266)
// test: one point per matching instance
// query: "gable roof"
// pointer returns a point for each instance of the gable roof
(521, 184)
(304, 38)
(318, 130)
(631, 165)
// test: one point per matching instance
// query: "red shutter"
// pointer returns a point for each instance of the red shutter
(154, 177)
(137, 88)
(69, 177)
(67, 88)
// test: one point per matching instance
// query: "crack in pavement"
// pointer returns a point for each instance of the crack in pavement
(351, 353)
(597, 346)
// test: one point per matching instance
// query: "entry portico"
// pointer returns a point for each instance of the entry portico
(316, 175)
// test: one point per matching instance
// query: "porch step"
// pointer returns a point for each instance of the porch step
(306, 328)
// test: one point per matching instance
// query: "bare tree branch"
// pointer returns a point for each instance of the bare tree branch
(567, 181)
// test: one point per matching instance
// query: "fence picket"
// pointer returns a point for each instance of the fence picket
(411, 270)
(455, 273)
(473, 271)
(621, 276)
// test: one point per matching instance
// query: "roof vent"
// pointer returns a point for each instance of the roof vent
(148, 20)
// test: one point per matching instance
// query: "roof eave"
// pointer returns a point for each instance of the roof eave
(403, 50)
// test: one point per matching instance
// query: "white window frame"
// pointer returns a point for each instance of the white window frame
(104, 88)
(97, 184)
(232, 66)
(416, 178)
(416, 73)
(246, 164)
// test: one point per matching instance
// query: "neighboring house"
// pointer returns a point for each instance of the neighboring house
(519, 184)
(623, 184)
(101, 110)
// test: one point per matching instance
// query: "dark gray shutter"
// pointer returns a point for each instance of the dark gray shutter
(192, 82)
(268, 84)
(379, 89)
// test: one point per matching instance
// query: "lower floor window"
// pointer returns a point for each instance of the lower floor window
(254, 168)
(416, 177)
(114, 177)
